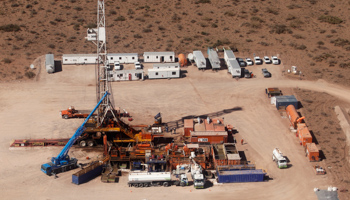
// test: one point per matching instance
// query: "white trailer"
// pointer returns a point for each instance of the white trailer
(159, 56)
(213, 59)
(123, 57)
(199, 59)
(79, 59)
(146, 179)
(278, 157)
(126, 75)
(164, 70)
(229, 55)
(233, 68)
(49, 63)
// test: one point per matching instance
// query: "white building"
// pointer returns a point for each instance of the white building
(164, 70)
(159, 56)
(79, 59)
(123, 57)
(199, 59)
(126, 75)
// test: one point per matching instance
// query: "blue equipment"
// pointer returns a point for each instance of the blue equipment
(63, 162)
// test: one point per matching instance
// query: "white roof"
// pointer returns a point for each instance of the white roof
(166, 65)
(79, 55)
(192, 146)
(164, 69)
(233, 157)
(170, 53)
(128, 71)
(122, 54)
(230, 54)
(208, 133)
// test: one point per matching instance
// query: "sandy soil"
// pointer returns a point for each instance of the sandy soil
(31, 110)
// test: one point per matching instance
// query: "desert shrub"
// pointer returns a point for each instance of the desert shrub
(340, 42)
(137, 36)
(280, 28)
(322, 57)
(221, 42)
(141, 19)
(204, 33)
(7, 60)
(213, 25)
(344, 65)
(52, 46)
(293, 6)
(258, 19)
(202, 1)
(296, 36)
(296, 23)
(320, 43)
(78, 8)
(161, 28)
(229, 13)
(264, 44)
(91, 25)
(272, 11)
(312, 1)
(53, 23)
(30, 74)
(10, 28)
(249, 40)
(175, 18)
(146, 30)
(120, 18)
(131, 12)
(112, 12)
(179, 27)
(330, 19)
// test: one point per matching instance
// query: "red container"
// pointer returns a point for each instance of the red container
(312, 152)
(304, 134)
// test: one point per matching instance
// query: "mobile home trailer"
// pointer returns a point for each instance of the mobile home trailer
(199, 59)
(79, 59)
(213, 58)
(123, 57)
(159, 56)
(50, 63)
(126, 75)
(164, 70)
(229, 55)
(233, 68)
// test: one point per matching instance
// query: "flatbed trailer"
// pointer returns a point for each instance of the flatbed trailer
(39, 142)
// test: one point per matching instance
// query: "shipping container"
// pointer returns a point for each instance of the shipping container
(49, 63)
(123, 57)
(88, 173)
(229, 55)
(304, 134)
(188, 127)
(283, 101)
(238, 176)
(126, 75)
(164, 70)
(293, 116)
(271, 92)
(213, 58)
(233, 68)
(209, 136)
(159, 56)
(312, 152)
(79, 59)
(199, 59)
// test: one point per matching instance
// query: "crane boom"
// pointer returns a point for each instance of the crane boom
(62, 162)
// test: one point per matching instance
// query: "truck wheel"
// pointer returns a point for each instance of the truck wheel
(90, 143)
(140, 185)
(136, 185)
(182, 184)
(65, 116)
(82, 143)
(165, 184)
(145, 184)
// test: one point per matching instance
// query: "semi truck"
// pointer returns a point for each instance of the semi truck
(278, 157)
(71, 112)
(147, 179)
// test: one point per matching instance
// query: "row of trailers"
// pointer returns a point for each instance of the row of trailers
(231, 62)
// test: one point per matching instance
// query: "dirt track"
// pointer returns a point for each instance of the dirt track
(31, 110)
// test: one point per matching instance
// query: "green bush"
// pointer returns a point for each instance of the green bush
(330, 19)
(10, 28)
(279, 29)
(30, 74)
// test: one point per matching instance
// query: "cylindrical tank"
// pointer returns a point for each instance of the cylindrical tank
(292, 114)
(190, 57)
(182, 60)
(150, 176)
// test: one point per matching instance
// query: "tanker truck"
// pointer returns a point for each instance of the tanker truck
(147, 179)
(278, 157)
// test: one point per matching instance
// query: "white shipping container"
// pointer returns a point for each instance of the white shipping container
(78, 59)
(159, 56)
(229, 55)
(233, 68)
(199, 59)
(164, 73)
(213, 59)
(50, 63)
(123, 57)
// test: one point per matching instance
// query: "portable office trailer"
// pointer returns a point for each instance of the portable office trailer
(50, 63)
(79, 59)
(283, 101)
(233, 68)
(213, 58)
(123, 57)
(159, 56)
(164, 73)
(199, 59)
(126, 75)
(229, 55)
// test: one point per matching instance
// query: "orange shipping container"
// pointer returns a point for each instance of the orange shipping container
(304, 134)
(312, 152)
(182, 60)
(188, 127)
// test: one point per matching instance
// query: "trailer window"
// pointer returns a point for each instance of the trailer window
(111, 58)
(156, 73)
(120, 58)
(147, 57)
(65, 59)
(133, 58)
(156, 56)
(173, 73)
(85, 59)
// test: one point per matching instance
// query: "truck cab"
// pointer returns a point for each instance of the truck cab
(117, 65)
(68, 113)
(198, 180)
(278, 157)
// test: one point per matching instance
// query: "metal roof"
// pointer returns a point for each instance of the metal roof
(290, 98)
(233, 157)
(164, 69)
(128, 71)
(122, 54)
(79, 55)
(208, 133)
(164, 65)
(230, 54)
(170, 53)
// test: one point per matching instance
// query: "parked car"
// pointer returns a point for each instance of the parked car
(247, 73)
(266, 73)
(257, 60)
(117, 65)
(138, 65)
(267, 60)
(249, 61)
(275, 60)
(241, 62)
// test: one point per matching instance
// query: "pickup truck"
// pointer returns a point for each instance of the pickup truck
(266, 73)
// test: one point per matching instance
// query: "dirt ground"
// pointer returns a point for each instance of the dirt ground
(31, 110)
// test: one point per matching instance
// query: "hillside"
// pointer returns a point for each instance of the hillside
(310, 34)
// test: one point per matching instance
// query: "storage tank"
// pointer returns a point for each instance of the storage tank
(182, 60)
(49, 63)
(150, 176)
(190, 57)
(293, 116)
